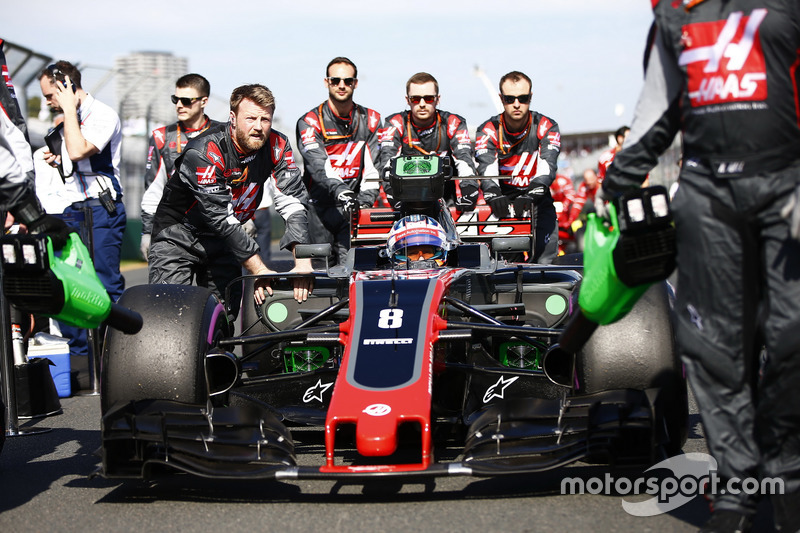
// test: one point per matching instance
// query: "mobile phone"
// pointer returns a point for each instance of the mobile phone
(61, 77)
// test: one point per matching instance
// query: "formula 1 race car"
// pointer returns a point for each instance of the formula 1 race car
(402, 369)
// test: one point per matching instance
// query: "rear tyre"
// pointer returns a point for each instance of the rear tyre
(165, 360)
(639, 352)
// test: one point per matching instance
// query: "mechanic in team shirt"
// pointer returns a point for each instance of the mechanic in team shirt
(339, 143)
(426, 130)
(417, 242)
(584, 196)
(523, 145)
(168, 142)
(723, 72)
(218, 183)
(605, 159)
(563, 194)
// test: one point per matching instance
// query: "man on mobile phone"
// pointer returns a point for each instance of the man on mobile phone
(90, 156)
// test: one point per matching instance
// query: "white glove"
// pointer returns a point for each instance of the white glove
(601, 203)
(791, 212)
(348, 200)
(144, 245)
(249, 227)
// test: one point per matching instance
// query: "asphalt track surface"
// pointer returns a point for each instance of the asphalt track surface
(47, 485)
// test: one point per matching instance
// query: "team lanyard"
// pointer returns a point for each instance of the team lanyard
(438, 130)
(204, 128)
(353, 124)
(526, 131)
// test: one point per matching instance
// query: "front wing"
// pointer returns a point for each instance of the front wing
(523, 435)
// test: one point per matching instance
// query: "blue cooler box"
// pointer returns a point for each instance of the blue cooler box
(58, 353)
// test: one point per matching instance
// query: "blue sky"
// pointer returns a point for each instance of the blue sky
(584, 56)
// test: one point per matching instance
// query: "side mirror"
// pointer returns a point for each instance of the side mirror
(511, 244)
(312, 251)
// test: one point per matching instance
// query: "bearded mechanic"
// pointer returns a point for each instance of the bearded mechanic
(218, 183)
(724, 73)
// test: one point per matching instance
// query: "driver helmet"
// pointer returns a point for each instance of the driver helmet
(418, 241)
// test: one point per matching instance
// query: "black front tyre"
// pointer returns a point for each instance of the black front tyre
(165, 360)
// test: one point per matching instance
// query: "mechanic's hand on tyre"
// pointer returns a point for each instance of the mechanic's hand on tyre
(791, 212)
(499, 205)
(144, 245)
(348, 200)
(53, 227)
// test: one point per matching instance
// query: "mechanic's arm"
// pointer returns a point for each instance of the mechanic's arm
(254, 265)
(391, 145)
(78, 148)
(290, 198)
(488, 165)
(549, 148)
(370, 175)
(461, 148)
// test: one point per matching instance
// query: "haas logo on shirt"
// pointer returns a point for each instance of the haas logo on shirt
(346, 159)
(724, 60)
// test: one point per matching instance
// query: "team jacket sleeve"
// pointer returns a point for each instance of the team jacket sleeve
(486, 157)
(656, 120)
(549, 148)
(290, 199)
(390, 138)
(370, 175)
(15, 183)
(155, 162)
(206, 183)
(461, 148)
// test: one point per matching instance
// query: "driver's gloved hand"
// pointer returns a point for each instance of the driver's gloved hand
(791, 212)
(53, 227)
(348, 200)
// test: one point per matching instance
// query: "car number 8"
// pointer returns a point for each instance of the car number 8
(390, 318)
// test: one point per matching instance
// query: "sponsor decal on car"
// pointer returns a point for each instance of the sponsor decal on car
(403, 340)
(315, 392)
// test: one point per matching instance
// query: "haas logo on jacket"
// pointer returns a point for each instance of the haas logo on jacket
(724, 60)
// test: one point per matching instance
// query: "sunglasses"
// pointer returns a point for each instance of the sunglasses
(509, 98)
(185, 100)
(336, 81)
(429, 98)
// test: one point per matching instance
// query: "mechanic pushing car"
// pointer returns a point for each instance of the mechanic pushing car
(218, 183)
(724, 72)
(417, 242)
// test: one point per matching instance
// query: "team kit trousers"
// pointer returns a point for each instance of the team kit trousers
(738, 297)
(107, 232)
